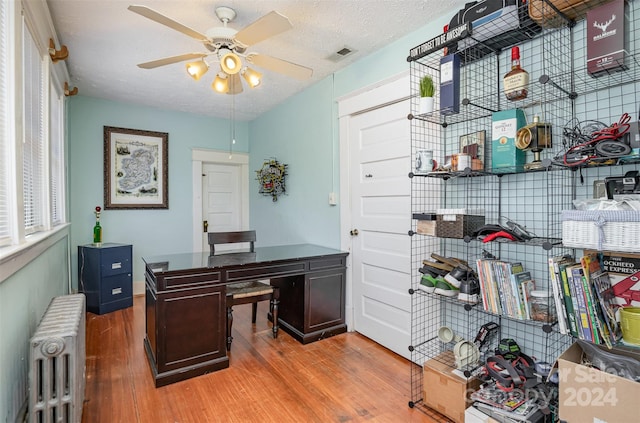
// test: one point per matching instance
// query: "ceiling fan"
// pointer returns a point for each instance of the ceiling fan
(229, 47)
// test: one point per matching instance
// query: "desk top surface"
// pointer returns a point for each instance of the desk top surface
(186, 261)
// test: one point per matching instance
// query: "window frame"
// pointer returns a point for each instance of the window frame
(20, 248)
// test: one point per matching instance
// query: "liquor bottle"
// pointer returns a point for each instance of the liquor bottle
(517, 79)
(97, 229)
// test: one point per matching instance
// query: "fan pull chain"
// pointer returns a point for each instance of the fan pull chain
(232, 129)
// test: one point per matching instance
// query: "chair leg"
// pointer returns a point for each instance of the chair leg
(229, 324)
(254, 311)
(275, 300)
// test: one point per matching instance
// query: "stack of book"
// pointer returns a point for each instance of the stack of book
(505, 288)
(584, 299)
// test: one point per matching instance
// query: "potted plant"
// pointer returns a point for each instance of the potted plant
(427, 91)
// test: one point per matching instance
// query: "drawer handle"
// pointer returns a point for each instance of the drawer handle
(116, 291)
(116, 265)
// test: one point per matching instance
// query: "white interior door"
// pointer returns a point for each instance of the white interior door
(380, 203)
(221, 198)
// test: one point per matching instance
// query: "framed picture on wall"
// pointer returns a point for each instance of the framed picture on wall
(136, 169)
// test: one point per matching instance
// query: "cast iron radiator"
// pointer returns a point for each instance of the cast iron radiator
(57, 362)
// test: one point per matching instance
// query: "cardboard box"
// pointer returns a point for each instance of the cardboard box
(606, 38)
(590, 395)
(426, 223)
(426, 227)
(445, 391)
(505, 156)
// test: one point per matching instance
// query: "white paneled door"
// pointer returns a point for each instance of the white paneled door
(379, 151)
(221, 199)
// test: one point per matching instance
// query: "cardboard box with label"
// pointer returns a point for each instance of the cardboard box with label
(505, 156)
(590, 395)
(444, 390)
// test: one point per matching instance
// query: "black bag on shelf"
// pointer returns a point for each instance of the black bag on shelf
(495, 25)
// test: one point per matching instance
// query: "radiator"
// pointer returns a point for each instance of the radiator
(57, 363)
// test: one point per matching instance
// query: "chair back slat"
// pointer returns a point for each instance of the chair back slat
(218, 238)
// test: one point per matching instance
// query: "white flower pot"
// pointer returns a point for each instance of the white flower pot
(426, 105)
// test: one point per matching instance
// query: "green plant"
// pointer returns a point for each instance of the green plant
(426, 86)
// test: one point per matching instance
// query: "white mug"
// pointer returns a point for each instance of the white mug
(424, 161)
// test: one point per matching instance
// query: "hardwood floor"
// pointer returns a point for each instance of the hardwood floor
(346, 378)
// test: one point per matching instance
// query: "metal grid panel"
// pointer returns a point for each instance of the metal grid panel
(563, 95)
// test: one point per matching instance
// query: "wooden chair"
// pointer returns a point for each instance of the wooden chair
(245, 292)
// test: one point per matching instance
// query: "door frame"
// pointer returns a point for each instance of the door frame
(200, 156)
(388, 91)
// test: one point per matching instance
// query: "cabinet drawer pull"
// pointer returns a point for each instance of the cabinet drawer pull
(116, 291)
(117, 265)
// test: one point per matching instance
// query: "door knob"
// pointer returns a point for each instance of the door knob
(354, 232)
(205, 226)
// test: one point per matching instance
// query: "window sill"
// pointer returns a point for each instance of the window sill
(15, 257)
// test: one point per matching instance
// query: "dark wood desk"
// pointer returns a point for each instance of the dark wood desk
(186, 302)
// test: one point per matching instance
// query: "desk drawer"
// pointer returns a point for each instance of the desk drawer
(188, 280)
(266, 271)
(328, 263)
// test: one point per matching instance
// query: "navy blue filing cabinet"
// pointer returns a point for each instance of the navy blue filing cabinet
(104, 276)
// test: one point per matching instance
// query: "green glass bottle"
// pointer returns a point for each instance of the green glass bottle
(97, 229)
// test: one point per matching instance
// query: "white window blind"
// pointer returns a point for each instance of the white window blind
(34, 142)
(5, 234)
(56, 157)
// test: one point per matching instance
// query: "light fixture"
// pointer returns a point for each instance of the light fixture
(229, 61)
(221, 83)
(197, 69)
(252, 77)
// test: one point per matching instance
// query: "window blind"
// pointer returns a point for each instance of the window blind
(56, 157)
(33, 154)
(5, 165)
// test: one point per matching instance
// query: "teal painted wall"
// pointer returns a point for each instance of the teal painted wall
(298, 134)
(303, 133)
(151, 232)
(23, 299)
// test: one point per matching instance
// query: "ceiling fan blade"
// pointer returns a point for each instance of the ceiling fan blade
(160, 18)
(267, 26)
(170, 60)
(235, 84)
(281, 66)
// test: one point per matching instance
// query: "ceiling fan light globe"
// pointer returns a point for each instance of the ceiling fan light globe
(230, 63)
(220, 84)
(197, 69)
(253, 77)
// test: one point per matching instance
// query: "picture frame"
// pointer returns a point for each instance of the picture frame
(474, 145)
(136, 169)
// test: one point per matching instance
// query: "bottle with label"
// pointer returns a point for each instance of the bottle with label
(97, 229)
(517, 79)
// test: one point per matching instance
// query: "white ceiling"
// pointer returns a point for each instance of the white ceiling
(106, 42)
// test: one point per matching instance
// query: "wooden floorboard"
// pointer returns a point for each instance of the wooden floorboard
(346, 378)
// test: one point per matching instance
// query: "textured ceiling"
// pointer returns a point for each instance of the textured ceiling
(106, 42)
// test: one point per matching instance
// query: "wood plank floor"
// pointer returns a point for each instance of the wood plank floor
(346, 378)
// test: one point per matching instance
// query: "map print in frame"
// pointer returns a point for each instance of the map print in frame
(136, 167)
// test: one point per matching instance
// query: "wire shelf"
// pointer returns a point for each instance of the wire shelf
(563, 95)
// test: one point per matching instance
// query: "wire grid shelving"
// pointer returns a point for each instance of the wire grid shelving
(560, 93)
